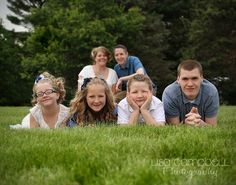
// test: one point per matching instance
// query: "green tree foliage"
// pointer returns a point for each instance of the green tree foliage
(13, 89)
(152, 43)
(161, 33)
(21, 10)
(174, 13)
(66, 31)
(212, 40)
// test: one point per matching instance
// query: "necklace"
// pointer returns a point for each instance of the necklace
(100, 74)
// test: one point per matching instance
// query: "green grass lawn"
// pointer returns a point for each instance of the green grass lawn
(118, 155)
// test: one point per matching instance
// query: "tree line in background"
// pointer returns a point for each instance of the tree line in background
(161, 33)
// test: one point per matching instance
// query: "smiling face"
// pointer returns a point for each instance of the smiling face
(190, 82)
(45, 94)
(101, 58)
(139, 92)
(121, 56)
(96, 97)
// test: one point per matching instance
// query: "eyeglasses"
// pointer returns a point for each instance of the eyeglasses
(47, 92)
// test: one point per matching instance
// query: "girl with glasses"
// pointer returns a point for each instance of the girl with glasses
(48, 112)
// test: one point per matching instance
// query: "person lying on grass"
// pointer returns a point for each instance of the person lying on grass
(92, 105)
(191, 99)
(48, 112)
(140, 106)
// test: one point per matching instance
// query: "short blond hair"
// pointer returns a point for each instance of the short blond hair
(140, 78)
(102, 49)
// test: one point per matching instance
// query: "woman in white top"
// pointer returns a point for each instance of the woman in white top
(101, 56)
(48, 93)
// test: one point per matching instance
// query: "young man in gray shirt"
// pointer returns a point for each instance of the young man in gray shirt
(191, 99)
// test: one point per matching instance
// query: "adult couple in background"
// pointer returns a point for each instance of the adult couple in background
(126, 67)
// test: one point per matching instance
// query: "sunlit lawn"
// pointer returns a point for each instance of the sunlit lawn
(118, 155)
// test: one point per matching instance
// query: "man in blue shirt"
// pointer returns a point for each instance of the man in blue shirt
(126, 67)
(191, 99)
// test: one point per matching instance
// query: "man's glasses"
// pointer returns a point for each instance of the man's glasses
(47, 92)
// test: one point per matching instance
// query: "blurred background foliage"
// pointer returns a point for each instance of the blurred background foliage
(161, 33)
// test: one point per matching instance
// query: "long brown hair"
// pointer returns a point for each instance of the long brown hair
(85, 115)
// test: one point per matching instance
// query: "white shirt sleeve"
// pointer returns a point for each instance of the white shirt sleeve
(123, 112)
(86, 72)
(26, 121)
(112, 78)
(157, 110)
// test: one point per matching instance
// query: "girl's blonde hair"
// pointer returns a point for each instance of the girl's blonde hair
(102, 49)
(140, 78)
(79, 106)
(56, 83)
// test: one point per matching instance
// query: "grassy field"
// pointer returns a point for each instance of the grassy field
(118, 155)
